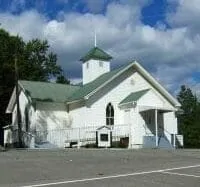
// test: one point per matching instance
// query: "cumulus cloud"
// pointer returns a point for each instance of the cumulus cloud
(187, 14)
(95, 6)
(171, 54)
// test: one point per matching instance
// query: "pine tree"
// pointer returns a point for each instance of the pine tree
(189, 121)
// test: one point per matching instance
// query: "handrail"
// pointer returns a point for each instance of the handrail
(145, 128)
(164, 130)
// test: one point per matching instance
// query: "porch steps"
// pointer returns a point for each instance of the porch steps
(163, 143)
(150, 142)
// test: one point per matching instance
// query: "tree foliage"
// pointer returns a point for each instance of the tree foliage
(35, 62)
(41, 62)
(61, 79)
(189, 121)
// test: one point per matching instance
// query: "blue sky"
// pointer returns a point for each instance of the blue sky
(150, 14)
(163, 35)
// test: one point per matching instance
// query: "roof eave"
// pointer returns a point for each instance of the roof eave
(11, 103)
(158, 86)
(95, 58)
(74, 101)
(126, 103)
(25, 93)
(105, 83)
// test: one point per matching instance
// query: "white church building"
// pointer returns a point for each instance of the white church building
(127, 102)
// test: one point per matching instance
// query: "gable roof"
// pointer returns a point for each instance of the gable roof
(96, 53)
(161, 89)
(91, 88)
(104, 127)
(134, 96)
(99, 82)
(45, 91)
(42, 91)
(53, 92)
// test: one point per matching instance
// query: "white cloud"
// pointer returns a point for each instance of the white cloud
(95, 6)
(192, 84)
(171, 54)
(28, 25)
(187, 14)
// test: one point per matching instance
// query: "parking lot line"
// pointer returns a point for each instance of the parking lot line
(111, 176)
(181, 174)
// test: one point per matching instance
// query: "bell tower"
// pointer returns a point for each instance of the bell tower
(95, 63)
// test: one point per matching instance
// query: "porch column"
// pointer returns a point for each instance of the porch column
(156, 125)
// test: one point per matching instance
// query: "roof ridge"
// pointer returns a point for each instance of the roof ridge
(50, 83)
(113, 70)
(90, 87)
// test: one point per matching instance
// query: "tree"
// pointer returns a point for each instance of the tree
(61, 79)
(35, 62)
(189, 121)
(40, 61)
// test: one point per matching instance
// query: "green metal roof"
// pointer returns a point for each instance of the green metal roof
(44, 91)
(134, 96)
(96, 53)
(89, 87)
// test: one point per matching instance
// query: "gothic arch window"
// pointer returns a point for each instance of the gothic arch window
(109, 114)
(26, 119)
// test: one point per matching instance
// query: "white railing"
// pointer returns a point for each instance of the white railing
(85, 135)
(174, 139)
(147, 130)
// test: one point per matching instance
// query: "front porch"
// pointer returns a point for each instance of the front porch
(152, 119)
(157, 128)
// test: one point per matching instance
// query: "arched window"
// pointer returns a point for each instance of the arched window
(109, 114)
(27, 119)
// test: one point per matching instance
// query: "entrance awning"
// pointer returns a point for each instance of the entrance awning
(146, 108)
(133, 97)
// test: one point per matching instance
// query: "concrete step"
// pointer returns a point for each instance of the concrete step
(150, 142)
(164, 143)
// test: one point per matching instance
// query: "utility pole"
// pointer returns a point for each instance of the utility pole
(17, 103)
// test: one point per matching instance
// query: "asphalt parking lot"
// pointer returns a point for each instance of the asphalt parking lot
(99, 168)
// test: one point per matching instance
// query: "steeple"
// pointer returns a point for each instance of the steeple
(97, 54)
(95, 63)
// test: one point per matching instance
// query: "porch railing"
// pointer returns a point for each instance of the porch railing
(176, 140)
(27, 138)
(84, 135)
